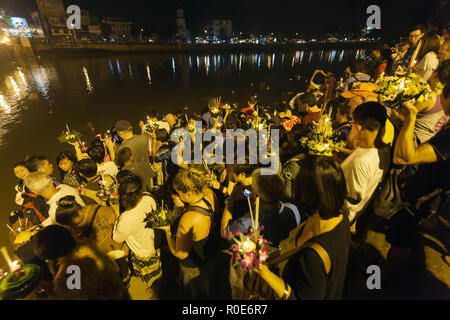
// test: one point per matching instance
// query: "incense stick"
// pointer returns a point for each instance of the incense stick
(251, 212)
(10, 228)
(257, 218)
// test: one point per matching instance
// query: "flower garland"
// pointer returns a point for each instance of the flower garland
(321, 139)
(395, 90)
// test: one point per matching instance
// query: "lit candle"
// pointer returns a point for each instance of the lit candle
(13, 266)
(248, 246)
(402, 84)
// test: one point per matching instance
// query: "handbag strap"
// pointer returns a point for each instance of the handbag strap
(88, 232)
(323, 254)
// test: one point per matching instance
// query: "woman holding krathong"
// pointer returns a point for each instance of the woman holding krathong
(132, 229)
(315, 253)
(193, 229)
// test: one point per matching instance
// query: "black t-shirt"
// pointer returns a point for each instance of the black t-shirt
(441, 144)
(431, 176)
(305, 271)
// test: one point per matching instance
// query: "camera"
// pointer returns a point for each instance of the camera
(114, 134)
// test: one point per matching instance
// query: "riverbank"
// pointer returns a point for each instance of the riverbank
(102, 49)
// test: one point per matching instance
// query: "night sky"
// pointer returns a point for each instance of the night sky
(308, 18)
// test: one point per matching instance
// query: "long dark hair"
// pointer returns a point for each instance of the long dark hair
(430, 42)
(68, 155)
(321, 186)
(130, 192)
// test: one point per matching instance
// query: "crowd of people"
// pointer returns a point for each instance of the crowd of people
(311, 209)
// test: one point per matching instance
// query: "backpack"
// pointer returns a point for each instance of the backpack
(92, 194)
(34, 207)
(289, 172)
(389, 198)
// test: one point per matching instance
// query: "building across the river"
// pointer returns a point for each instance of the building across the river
(116, 29)
(53, 18)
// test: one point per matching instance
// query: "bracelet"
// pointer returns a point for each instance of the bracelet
(286, 292)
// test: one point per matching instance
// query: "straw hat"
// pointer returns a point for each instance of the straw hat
(365, 89)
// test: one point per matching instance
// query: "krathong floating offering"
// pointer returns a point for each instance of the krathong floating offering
(21, 232)
(395, 90)
(215, 105)
(257, 122)
(69, 136)
(249, 249)
(160, 217)
(151, 126)
(322, 139)
(20, 281)
(191, 126)
(108, 193)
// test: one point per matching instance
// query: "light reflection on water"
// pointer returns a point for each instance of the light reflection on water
(47, 76)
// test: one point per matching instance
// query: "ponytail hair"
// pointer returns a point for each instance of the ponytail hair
(192, 179)
(130, 192)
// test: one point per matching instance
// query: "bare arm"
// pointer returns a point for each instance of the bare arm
(181, 246)
(226, 217)
(405, 151)
(275, 282)
(110, 146)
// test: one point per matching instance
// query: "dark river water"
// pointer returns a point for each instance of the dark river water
(39, 97)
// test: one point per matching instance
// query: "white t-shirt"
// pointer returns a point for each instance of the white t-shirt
(108, 168)
(163, 125)
(63, 190)
(131, 228)
(427, 65)
(363, 171)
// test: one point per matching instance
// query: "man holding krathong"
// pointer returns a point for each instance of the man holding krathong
(431, 181)
(367, 164)
(430, 118)
(214, 110)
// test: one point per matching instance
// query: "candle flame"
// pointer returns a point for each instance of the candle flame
(4, 105)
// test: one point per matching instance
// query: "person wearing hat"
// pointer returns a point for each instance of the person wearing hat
(365, 167)
(139, 148)
(362, 92)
